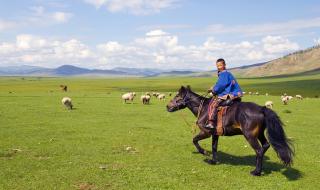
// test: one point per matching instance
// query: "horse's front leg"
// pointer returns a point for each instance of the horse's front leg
(215, 139)
(202, 135)
(214, 160)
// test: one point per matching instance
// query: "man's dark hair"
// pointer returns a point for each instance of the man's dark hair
(221, 60)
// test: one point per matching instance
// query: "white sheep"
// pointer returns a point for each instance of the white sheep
(128, 96)
(161, 96)
(66, 101)
(257, 93)
(269, 104)
(290, 97)
(145, 99)
(267, 94)
(250, 93)
(298, 96)
(285, 99)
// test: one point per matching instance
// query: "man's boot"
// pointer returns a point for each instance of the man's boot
(211, 127)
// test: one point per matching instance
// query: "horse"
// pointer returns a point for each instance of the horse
(242, 118)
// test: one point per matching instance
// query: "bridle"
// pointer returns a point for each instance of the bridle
(184, 101)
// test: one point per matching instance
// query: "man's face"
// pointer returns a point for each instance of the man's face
(220, 66)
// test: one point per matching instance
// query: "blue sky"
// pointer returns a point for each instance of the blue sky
(167, 34)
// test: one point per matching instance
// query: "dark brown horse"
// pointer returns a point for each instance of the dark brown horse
(242, 118)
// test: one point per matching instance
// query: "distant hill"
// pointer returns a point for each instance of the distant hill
(70, 70)
(304, 61)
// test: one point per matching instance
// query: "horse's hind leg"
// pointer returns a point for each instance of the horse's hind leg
(202, 135)
(264, 142)
(259, 154)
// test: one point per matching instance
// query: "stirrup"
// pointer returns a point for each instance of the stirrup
(210, 126)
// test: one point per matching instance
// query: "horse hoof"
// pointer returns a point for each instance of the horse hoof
(255, 173)
(202, 152)
(206, 153)
(211, 162)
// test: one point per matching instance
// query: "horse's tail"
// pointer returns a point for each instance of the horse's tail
(277, 136)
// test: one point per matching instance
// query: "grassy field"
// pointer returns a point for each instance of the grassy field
(105, 144)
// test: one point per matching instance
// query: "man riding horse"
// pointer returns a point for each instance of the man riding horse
(226, 88)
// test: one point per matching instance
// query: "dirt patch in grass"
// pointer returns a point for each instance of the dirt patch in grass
(85, 186)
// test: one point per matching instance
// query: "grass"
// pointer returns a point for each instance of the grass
(105, 144)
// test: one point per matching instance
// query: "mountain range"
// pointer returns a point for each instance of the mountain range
(301, 62)
(70, 70)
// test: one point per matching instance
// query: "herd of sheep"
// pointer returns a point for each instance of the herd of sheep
(284, 98)
(146, 97)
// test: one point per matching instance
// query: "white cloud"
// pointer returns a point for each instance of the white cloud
(137, 7)
(5, 24)
(255, 55)
(61, 17)
(278, 44)
(34, 50)
(156, 49)
(164, 27)
(275, 28)
(161, 49)
(317, 41)
(37, 16)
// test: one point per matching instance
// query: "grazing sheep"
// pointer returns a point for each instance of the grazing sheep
(66, 101)
(64, 88)
(257, 93)
(267, 94)
(145, 99)
(128, 96)
(269, 104)
(290, 97)
(161, 96)
(155, 94)
(299, 97)
(284, 100)
(148, 93)
(243, 93)
(250, 93)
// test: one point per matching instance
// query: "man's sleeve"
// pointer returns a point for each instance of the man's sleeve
(222, 82)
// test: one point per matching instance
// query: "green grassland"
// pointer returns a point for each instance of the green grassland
(105, 144)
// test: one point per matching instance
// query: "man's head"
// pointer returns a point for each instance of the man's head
(221, 64)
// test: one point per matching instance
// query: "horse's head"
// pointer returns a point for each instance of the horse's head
(179, 101)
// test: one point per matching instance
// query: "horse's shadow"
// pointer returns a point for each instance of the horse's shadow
(268, 166)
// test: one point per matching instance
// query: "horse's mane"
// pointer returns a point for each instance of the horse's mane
(199, 96)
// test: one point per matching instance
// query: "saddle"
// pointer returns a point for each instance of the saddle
(222, 110)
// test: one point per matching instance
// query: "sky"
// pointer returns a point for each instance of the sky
(160, 34)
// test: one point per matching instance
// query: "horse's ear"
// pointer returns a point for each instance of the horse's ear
(182, 89)
(188, 87)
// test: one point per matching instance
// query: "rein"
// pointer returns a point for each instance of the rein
(194, 126)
